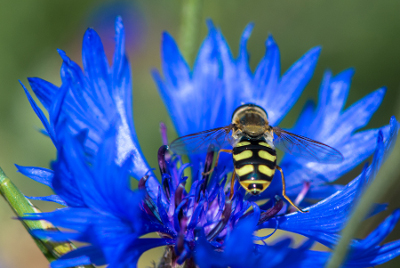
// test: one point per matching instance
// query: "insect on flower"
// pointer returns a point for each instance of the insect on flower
(254, 142)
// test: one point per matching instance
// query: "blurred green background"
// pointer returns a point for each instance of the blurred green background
(362, 33)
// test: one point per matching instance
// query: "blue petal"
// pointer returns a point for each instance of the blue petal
(41, 175)
(233, 255)
(381, 232)
(72, 218)
(175, 68)
(325, 219)
(381, 255)
(333, 95)
(329, 125)
(82, 260)
(92, 101)
(81, 256)
(90, 226)
(121, 92)
(119, 52)
(359, 114)
(44, 90)
(240, 236)
(367, 252)
(64, 183)
(243, 55)
(268, 72)
(291, 86)
(127, 254)
(55, 108)
(95, 63)
(40, 114)
(50, 198)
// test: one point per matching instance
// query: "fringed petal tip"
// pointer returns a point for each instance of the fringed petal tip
(41, 175)
(119, 39)
(344, 76)
(394, 124)
(169, 46)
(64, 56)
(210, 24)
(49, 198)
(313, 54)
(89, 34)
(270, 42)
(119, 26)
(247, 32)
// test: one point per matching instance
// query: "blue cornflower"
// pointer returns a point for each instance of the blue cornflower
(90, 123)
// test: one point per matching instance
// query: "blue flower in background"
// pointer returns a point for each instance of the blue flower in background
(90, 123)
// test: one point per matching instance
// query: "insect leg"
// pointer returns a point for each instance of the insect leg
(216, 161)
(232, 184)
(284, 191)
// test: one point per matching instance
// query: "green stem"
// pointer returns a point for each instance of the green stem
(384, 180)
(20, 205)
(189, 30)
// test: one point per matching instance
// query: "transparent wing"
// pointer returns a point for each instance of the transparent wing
(306, 148)
(200, 142)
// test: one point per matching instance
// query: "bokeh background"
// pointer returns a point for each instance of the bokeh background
(363, 34)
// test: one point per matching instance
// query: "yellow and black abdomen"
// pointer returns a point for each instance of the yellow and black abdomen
(254, 162)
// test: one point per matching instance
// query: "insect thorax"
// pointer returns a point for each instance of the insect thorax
(251, 120)
(254, 162)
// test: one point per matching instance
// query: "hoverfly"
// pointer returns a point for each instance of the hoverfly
(254, 142)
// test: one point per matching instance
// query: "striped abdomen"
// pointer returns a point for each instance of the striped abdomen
(254, 162)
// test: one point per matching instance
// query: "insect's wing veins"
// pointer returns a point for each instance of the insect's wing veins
(304, 147)
(200, 142)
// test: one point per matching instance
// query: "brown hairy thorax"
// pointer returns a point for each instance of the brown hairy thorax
(251, 120)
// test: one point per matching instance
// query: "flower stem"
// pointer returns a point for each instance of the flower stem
(20, 205)
(383, 182)
(189, 30)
